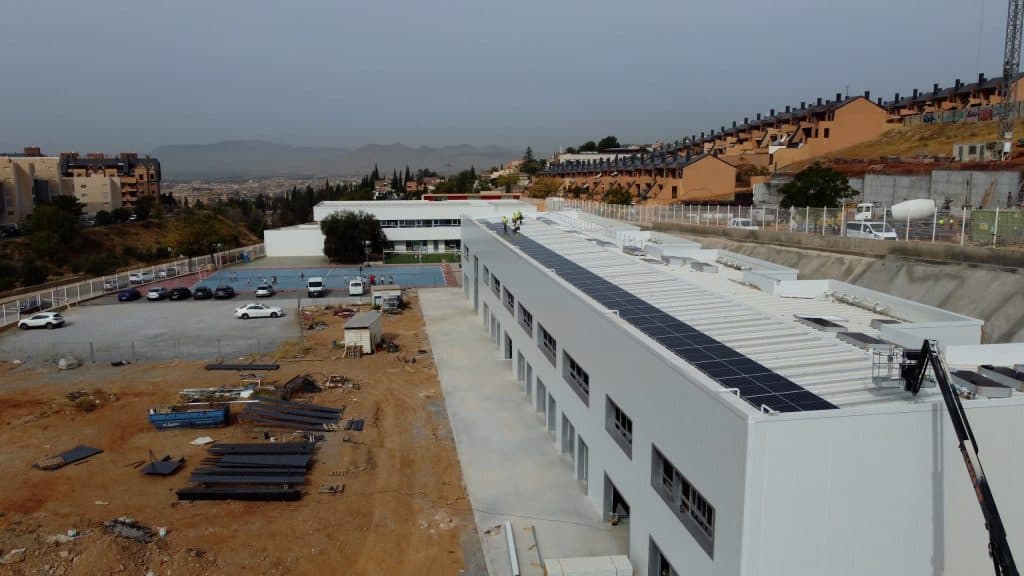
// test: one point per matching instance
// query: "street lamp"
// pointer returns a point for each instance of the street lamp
(366, 250)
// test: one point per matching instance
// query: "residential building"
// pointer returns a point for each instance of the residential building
(660, 178)
(717, 414)
(137, 176)
(418, 226)
(25, 179)
(95, 192)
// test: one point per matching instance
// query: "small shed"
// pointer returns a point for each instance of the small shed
(364, 330)
(387, 297)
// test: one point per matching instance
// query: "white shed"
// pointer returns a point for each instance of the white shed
(364, 330)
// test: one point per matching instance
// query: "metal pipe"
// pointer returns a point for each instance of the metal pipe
(512, 557)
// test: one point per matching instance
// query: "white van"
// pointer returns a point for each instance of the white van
(873, 230)
(315, 286)
(356, 287)
(744, 223)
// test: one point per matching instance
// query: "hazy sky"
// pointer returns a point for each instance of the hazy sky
(111, 76)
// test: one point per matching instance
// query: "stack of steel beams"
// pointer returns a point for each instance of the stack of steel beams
(271, 413)
(255, 471)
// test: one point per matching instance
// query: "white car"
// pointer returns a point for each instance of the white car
(141, 277)
(42, 320)
(873, 230)
(257, 311)
(356, 287)
(157, 293)
(111, 284)
(264, 290)
(744, 223)
(166, 273)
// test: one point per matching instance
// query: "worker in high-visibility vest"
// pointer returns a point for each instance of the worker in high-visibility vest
(504, 224)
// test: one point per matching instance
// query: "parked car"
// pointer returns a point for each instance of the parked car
(224, 292)
(257, 311)
(111, 284)
(128, 294)
(744, 223)
(356, 287)
(30, 307)
(315, 287)
(157, 293)
(141, 277)
(873, 230)
(166, 273)
(180, 293)
(47, 320)
(264, 290)
(202, 293)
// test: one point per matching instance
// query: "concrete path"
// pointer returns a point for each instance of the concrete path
(512, 469)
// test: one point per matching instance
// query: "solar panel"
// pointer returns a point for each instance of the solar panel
(757, 384)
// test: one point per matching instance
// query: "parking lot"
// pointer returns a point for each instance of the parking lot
(104, 330)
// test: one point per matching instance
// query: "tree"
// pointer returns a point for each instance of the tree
(196, 233)
(544, 186)
(31, 271)
(103, 218)
(617, 195)
(816, 186)
(570, 150)
(56, 232)
(607, 143)
(68, 204)
(508, 181)
(121, 214)
(589, 146)
(144, 207)
(345, 234)
(8, 274)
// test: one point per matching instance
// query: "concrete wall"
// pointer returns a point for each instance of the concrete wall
(977, 282)
(301, 240)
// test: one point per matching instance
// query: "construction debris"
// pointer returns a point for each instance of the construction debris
(318, 325)
(76, 454)
(166, 466)
(298, 385)
(68, 363)
(221, 366)
(355, 424)
(332, 489)
(221, 393)
(202, 441)
(130, 529)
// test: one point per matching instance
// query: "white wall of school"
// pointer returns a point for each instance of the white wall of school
(303, 240)
(701, 429)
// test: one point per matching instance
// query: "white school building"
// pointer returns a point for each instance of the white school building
(425, 226)
(737, 419)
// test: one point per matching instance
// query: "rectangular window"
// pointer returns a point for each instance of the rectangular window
(486, 276)
(675, 192)
(510, 301)
(689, 505)
(465, 252)
(826, 132)
(496, 285)
(659, 565)
(619, 426)
(547, 344)
(576, 376)
(526, 319)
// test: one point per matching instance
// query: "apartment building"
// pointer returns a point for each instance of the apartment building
(137, 176)
(659, 178)
(26, 178)
(731, 429)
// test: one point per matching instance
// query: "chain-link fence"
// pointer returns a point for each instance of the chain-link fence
(102, 351)
(999, 227)
(15, 307)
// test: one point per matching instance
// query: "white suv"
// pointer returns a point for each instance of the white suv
(42, 320)
(141, 277)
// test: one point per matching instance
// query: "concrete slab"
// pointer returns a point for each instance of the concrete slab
(512, 469)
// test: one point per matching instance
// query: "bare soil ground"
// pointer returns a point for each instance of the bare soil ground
(404, 508)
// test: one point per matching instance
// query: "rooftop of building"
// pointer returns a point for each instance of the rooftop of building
(760, 311)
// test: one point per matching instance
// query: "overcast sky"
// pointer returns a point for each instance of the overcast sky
(111, 76)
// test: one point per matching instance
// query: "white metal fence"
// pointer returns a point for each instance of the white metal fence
(56, 297)
(999, 227)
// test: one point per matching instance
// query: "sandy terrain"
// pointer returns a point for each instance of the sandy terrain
(404, 509)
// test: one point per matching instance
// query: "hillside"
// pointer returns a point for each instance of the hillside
(119, 245)
(257, 158)
(905, 142)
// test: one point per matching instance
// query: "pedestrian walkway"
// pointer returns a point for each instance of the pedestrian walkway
(511, 468)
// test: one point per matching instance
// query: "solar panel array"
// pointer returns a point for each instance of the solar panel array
(757, 384)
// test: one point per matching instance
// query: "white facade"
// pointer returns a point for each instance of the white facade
(875, 486)
(409, 225)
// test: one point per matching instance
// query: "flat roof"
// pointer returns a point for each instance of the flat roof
(763, 328)
(362, 320)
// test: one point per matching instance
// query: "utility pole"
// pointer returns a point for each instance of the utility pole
(1011, 68)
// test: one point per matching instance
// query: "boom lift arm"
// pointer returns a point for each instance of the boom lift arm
(914, 373)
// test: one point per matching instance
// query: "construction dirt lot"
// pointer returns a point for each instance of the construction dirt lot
(403, 509)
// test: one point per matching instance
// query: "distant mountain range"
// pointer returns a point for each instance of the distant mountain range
(251, 158)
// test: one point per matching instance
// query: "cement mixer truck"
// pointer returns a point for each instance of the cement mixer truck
(873, 221)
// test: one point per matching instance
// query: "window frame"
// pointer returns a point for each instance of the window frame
(577, 378)
(692, 508)
(542, 336)
(525, 318)
(614, 414)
